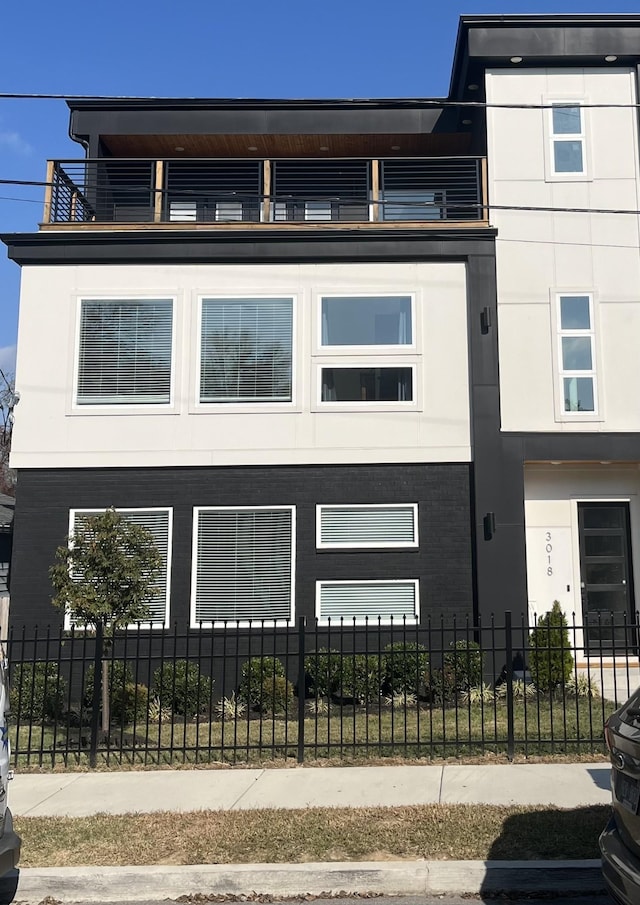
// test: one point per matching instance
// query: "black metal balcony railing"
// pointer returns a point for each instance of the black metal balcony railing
(109, 190)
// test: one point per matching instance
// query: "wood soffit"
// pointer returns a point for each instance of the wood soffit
(235, 146)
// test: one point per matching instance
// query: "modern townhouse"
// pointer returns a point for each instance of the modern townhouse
(349, 358)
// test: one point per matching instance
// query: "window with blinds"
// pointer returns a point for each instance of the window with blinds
(125, 352)
(388, 602)
(243, 568)
(158, 523)
(385, 525)
(246, 350)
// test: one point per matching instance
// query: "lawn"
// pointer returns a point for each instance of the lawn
(432, 832)
(542, 726)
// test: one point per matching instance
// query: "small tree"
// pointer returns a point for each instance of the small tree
(106, 576)
(550, 656)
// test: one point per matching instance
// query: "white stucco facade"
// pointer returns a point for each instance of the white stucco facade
(543, 254)
(51, 430)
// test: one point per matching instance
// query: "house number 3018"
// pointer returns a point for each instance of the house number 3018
(548, 549)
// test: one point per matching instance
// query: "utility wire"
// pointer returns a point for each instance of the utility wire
(400, 102)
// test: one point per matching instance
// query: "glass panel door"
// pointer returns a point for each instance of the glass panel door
(606, 577)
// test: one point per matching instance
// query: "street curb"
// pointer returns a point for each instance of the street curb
(119, 884)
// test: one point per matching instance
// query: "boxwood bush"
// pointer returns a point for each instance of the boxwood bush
(256, 679)
(405, 665)
(182, 688)
(37, 692)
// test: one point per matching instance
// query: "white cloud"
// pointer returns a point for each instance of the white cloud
(14, 142)
(8, 359)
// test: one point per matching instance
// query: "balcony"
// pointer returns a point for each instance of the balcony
(117, 193)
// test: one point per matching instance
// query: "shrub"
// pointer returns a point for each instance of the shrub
(322, 670)
(462, 667)
(128, 702)
(478, 694)
(581, 686)
(255, 675)
(120, 674)
(230, 708)
(359, 678)
(404, 665)
(550, 659)
(37, 691)
(277, 695)
(181, 688)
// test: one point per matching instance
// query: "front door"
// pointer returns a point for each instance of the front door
(606, 576)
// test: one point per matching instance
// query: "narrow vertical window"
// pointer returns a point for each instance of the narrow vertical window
(576, 354)
(567, 139)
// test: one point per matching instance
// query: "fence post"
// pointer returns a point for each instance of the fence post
(97, 693)
(510, 716)
(301, 687)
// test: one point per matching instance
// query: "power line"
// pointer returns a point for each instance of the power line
(406, 102)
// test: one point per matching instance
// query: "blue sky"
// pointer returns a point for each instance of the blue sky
(207, 48)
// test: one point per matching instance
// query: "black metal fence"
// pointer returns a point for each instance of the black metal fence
(314, 692)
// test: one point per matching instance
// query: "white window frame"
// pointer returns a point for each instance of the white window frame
(250, 406)
(240, 623)
(98, 510)
(325, 545)
(354, 405)
(373, 620)
(560, 373)
(122, 408)
(370, 350)
(551, 137)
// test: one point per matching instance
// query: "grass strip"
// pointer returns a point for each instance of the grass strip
(433, 832)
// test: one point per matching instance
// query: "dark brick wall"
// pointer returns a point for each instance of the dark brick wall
(443, 562)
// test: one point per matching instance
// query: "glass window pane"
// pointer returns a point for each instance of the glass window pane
(578, 394)
(412, 205)
(574, 312)
(567, 157)
(367, 385)
(246, 350)
(605, 573)
(603, 516)
(611, 601)
(367, 321)
(566, 120)
(576, 353)
(603, 545)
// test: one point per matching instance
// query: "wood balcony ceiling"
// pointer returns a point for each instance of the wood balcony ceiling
(234, 146)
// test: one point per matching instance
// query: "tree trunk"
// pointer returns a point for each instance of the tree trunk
(105, 697)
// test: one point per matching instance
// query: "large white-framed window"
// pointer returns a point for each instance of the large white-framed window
(366, 322)
(159, 523)
(356, 526)
(124, 352)
(245, 350)
(366, 350)
(243, 565)
(576, 355)
(385, 602)
(566, 137)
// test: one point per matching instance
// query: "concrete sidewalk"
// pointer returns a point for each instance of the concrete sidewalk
(83, 794)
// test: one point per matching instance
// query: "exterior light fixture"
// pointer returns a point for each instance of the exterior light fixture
(516, 59)
(466, 122)
(473, 87)
(324, 148)
(180, 148)
(395, 147)
(610, 58)
(252, 148)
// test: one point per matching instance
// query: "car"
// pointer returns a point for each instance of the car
(620, 840)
